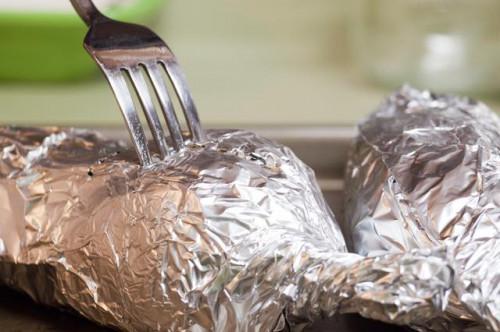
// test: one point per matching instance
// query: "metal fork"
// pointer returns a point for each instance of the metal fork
(121, 50)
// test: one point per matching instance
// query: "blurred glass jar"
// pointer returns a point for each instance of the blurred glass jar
(445, 45)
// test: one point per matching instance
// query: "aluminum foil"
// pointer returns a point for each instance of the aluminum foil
(231, 235)
(425, 172)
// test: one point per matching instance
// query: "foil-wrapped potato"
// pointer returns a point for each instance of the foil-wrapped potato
(424, 172)
(232, 235)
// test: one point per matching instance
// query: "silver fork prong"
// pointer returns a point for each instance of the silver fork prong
(126, 103)
(186, 100)
(155, 126)
(121, 49)
(161, 91)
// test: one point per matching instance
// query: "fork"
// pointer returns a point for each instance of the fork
(126, 51)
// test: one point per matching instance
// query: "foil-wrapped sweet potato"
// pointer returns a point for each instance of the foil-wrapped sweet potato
(424, 172)
(231, 235)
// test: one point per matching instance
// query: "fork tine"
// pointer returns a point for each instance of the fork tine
(149, 110)
(161, 91)
(182, 89)
(126, 103)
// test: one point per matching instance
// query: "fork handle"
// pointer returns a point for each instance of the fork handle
(87, 11)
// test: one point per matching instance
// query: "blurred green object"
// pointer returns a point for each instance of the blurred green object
(46, 46)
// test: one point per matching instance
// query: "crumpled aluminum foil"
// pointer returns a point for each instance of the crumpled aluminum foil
(232, 235)
(425, 172)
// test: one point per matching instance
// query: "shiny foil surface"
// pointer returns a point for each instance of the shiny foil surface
(425, 172)
(231, 235)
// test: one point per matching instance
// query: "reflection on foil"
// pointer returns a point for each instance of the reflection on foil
(425, 172)
(232, 235)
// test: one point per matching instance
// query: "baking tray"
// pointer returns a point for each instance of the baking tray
(323, 148)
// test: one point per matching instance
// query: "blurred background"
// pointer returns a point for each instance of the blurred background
(255, 63)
